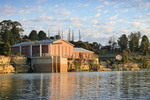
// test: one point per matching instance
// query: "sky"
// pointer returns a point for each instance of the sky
(97, 20)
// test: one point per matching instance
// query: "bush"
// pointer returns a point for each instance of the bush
(108, 62)
(5, 49)
(145, 62)
(77, 65)
(114, 66)
(93, 67)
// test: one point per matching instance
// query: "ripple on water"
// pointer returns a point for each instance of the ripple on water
(85, 85)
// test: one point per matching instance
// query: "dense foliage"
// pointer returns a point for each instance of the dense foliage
(5, 49)
(42, 35)
(144, 45)
(123, 42)
(33, 36)
(134, 39)
(10, 31)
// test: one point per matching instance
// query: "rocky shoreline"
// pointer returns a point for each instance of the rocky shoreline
(15, 64)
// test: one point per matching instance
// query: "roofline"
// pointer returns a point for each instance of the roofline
(32, 42)
(66, 41)
(83, 51)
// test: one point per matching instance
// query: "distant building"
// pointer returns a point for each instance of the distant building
(50, 55)
(86, 53)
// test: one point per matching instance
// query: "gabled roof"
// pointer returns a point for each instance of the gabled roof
(39, 42)
(35, 42)
(66, 42)
(81, 50)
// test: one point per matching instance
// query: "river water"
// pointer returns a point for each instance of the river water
(79, 86)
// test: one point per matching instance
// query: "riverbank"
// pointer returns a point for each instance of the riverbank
(5, 66)
(13, 64)
(18, 64)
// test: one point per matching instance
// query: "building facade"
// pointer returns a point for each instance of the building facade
(49, 55)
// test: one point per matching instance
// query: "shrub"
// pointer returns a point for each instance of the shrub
(77, 65)
(5, 49)
(145, 62)
(108, 62)
(114, 66)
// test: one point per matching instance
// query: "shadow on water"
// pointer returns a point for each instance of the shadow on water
(85, 85)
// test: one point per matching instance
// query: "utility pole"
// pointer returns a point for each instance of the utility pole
(69, 35)
(48, 34)
(72, 35)
(62, 34)
(79, 36)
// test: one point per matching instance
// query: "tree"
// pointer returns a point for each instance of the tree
(42, 35)
(144, 45)
(25, 37)
(145, 63)
(6, 50)
(11, 41)
(16, 34)
(6, 36)
(33, 35)
(125, 54)
(52, 37)
(134, 41)
(57, 37)
(123, 42)
(96, 45)
(8, 24)
(138, 36)
(112, 42)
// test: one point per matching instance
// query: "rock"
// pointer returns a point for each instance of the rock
(7, 69)
(18, 60)
(22, 68)
(20, 63)
(4, 60)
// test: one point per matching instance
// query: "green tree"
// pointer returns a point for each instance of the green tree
(16, 34)
(6, 36)
(145, 62)
(123, 42)
(57, 37)
(8, 24)
(112, 43)
(138, 36)
(52, 37)
(114, 66)
(125, 54)
(144, 45)
(25, 37)
(11, 41)
(134, 41)
(5, 49)
(33, 36)
(42, 35)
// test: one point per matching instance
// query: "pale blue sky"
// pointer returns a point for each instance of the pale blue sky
(97, 19)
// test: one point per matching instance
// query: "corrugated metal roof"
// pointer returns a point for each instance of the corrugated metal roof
(35, 42)
(81, 50)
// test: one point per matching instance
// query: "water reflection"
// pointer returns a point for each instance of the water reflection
(90, 85)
